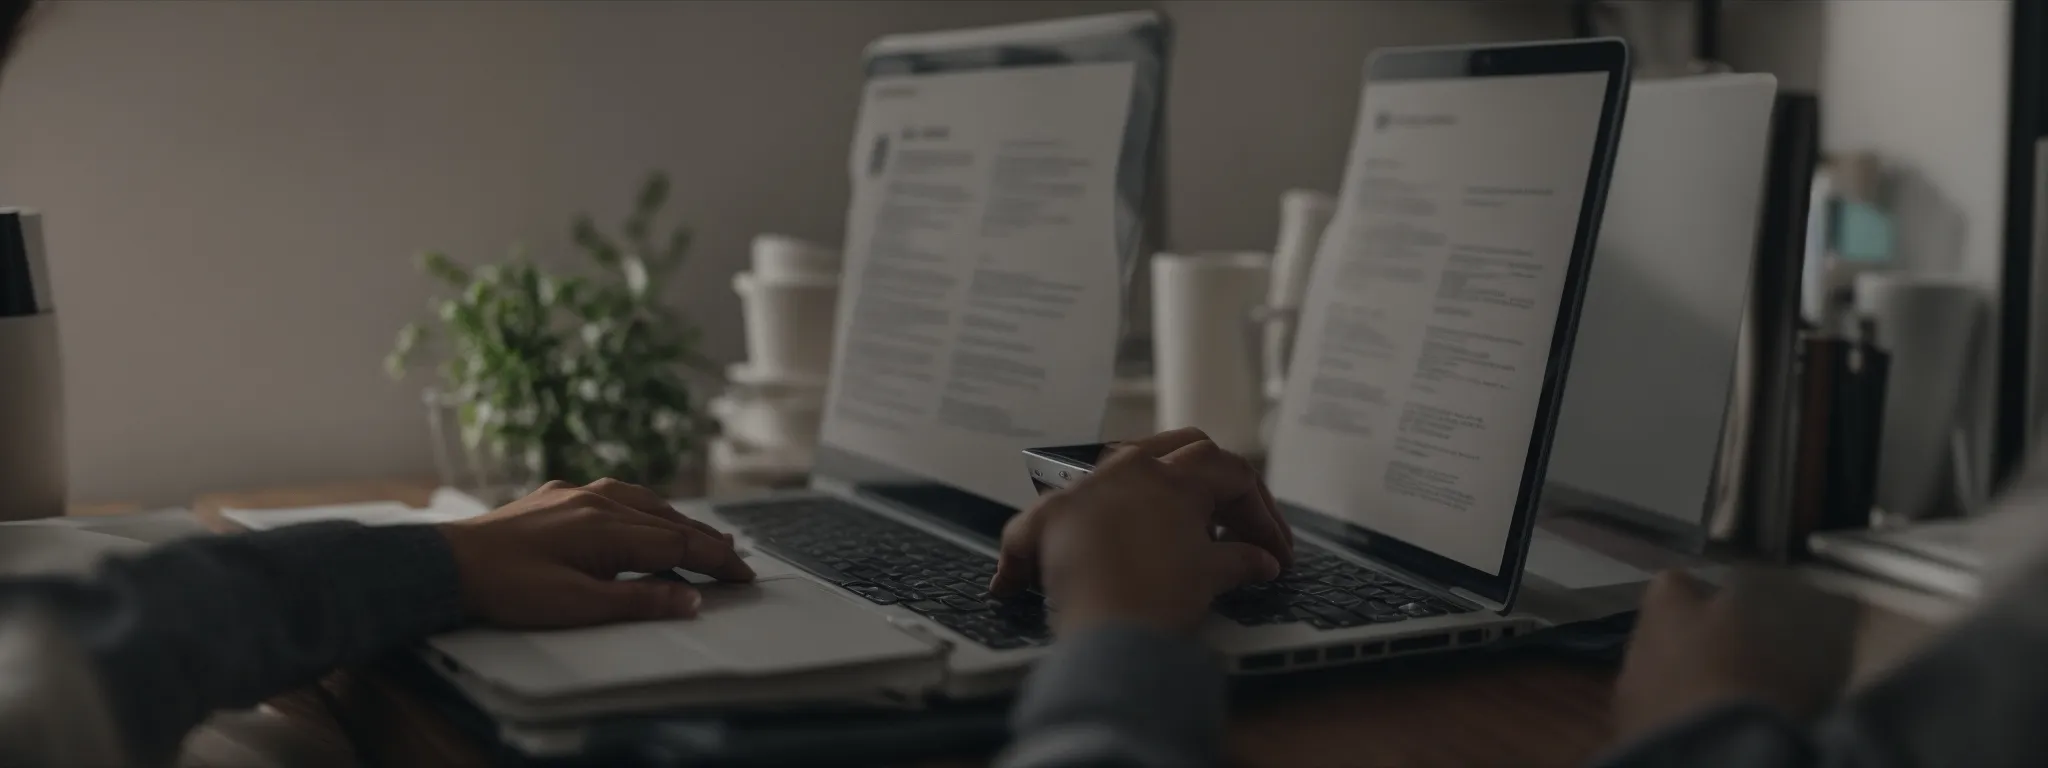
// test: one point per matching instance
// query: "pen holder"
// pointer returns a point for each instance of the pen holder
(32, 467)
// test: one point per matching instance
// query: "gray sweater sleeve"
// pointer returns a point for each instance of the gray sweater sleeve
(1132, 698)
(1122, 696)
(211, 623)
(1976, 696)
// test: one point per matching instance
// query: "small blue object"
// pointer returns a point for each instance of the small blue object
(1863, 232)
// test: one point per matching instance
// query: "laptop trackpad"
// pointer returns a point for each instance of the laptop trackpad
(770, 627)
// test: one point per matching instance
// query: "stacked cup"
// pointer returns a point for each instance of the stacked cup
(770, 412)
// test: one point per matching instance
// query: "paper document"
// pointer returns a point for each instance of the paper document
(984, 294)
(1572, 566)
(1426, 331)
(446, 506)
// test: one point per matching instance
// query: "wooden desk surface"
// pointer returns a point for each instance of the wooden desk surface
(1511, 709)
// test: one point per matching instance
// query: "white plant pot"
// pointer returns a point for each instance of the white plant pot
(769, 422)
(748, 378)
(731, 459)
(779, 257)
(789, 323)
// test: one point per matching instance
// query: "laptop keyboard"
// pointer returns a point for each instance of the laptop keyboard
(1328, 592)
(890, 563)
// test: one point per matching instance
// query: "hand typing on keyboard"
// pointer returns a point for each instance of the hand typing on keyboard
(1133, 541)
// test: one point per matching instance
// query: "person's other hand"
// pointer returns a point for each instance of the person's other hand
(1136, 539)
(1764, 637)
(548, 560)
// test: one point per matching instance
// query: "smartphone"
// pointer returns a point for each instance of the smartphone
(1061, 466)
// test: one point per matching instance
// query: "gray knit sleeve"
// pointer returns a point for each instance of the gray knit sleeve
(211, 623)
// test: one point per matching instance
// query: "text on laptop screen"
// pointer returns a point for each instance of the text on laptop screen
(983, 293)
(1425, 337)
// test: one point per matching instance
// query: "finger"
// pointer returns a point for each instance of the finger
(645, 500)
(1234, 487)
(1279, 518)
(652, 548)
(1673, 590)
(1232, 564)
(1159, 445)
(1017, 558)
(639, 600)
(614, 510)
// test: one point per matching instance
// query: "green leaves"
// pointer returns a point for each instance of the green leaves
(402, 349)
(574, 377)
(438, 266)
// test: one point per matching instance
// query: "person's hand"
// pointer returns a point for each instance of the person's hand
(1765, 637)
(1136, 539)
(548, 560)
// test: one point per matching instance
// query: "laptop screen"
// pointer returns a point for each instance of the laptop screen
(1438, 324)
(998, 178)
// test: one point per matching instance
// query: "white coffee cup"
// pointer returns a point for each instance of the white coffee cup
(1203, 355)
(789, 323)
(778, 257)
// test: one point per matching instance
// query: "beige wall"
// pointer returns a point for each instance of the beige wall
(234, 190)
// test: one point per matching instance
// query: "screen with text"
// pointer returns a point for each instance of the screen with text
(1425, 336)
(984, 286)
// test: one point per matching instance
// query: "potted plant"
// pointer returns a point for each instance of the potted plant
(569, 377)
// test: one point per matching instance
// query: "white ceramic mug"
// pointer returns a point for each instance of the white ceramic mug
(1205, 362)
(777, 257)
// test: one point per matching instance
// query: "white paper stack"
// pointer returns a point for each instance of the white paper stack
(447, 505)
(769, 414)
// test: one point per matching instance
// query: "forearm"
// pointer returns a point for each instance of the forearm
(1120, 696)
(1744, 733)
(210, 623)
(1977, 696)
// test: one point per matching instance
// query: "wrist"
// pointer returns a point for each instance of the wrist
(1087, 611)
(462, 554)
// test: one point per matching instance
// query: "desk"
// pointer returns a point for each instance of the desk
(1496, 710)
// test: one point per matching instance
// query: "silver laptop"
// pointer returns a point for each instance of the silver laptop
(902, 521)
(1365, 586)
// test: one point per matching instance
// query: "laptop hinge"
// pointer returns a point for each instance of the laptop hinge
(1467, 595)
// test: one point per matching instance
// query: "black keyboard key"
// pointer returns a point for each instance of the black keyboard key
(877, 596)
(1344, 581)
(1342, 599)
(1420, 610)
(927, 606)
(959, 603)
(1329, 613)
(1378, 617)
